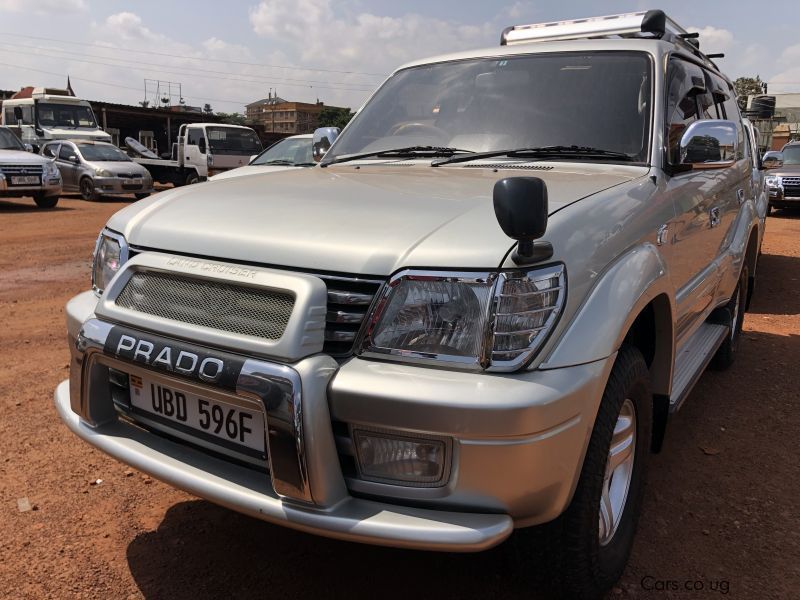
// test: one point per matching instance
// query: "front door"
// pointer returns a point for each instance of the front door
(68, 168)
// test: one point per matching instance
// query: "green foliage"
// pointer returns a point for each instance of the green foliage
(747, 86)
(207, 109)
(333, 116)
(232, 118)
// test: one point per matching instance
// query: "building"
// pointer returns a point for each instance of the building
(276, 115)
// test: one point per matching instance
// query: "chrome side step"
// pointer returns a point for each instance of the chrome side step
(692, 359)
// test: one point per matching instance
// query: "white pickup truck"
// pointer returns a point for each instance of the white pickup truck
(202, 150)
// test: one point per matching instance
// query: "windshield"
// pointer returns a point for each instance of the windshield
(65, 115)
(292, 151)
(102, 153)
(226, 140)
(600, 100)
(8, 141)
(791, 155)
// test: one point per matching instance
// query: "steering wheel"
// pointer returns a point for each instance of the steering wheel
(407, 128)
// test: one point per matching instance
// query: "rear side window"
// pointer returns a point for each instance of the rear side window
(50, 150)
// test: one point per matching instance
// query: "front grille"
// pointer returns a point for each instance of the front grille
(218, 305)
(130, 175)
(791, 187)
(348, 302)
(21, 169)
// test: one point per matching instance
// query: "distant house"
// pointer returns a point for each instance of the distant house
(275, 115)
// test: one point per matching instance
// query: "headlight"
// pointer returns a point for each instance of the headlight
(103, 173)
(110, 253)
(472, 320)
(772, 180)
(50, 169)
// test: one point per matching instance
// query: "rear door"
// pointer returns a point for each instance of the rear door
(69, 170)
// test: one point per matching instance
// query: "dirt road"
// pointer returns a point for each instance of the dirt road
(720, 518)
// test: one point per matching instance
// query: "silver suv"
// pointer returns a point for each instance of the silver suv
(474, 316)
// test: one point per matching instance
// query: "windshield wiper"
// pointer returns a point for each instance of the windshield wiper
(432, 151)
(277, 161)
(540, 152)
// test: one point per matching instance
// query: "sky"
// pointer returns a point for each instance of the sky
(228, 53)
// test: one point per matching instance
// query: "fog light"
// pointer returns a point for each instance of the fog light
(401, 459)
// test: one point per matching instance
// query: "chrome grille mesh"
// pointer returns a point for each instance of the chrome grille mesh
(224, 306)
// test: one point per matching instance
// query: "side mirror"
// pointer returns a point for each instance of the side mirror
(709, 144)
(28, 148)
(201, 144)
(73, 158)
(323, 139)
(18, 114)
(773, 161)
(520, 205)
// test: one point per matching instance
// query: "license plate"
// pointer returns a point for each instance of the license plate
(25, 180)
(212, 420)
(129, 182)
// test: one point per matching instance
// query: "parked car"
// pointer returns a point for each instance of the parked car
(474, 316)
(289, 153)
(25, 174)
(783, 176)
(98, 169)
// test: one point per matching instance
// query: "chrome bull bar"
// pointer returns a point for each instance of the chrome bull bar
(259, 380)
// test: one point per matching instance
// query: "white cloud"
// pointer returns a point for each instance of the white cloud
(321, 37)
(713, 39)
(43, 7)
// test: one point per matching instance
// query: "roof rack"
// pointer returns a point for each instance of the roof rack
(654, 22)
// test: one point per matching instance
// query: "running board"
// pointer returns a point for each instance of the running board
(692, 360)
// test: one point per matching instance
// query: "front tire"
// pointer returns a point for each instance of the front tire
(192, 178)
(586, 549)
(88, 192)
(43, 201)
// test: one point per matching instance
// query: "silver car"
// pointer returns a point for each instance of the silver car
(25, 174)
(98, 169)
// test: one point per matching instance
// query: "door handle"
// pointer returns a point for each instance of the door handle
(740, 195)
(714, 216)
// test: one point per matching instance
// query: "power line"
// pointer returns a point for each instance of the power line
(111, 83)
(252, 77)
(222, 60)
(184, 73)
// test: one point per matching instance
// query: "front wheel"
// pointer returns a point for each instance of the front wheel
(87, 189)
(586, 549)
(43, 201)
(192, 178)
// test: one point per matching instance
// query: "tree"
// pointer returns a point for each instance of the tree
(144, 103)
(232, 118)
(333, 116)
(207, 109)
(747, 86)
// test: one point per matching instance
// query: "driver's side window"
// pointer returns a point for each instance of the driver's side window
(65, 152)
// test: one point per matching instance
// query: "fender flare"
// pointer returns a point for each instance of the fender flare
(602, 322)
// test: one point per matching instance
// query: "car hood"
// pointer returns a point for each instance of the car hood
(785, 171)
(370, 219)
(251, 170)
(118, 167)
(20, 157)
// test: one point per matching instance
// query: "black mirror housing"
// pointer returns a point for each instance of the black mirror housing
(521, 208)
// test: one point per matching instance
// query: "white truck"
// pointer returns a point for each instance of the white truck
(202, 150)
(51, 114)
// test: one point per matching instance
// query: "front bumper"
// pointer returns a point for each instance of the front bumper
(50, 186)
(518, 444)
(117, 185)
